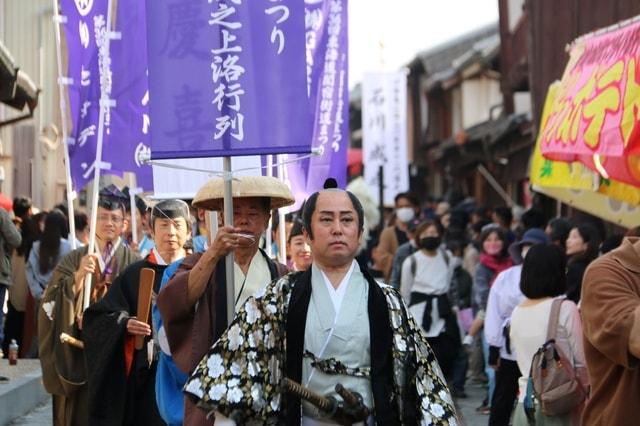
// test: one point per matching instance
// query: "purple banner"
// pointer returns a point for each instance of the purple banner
(84, 30)
(125, 127)
(327, 53)
(128, 138)
(227, 78)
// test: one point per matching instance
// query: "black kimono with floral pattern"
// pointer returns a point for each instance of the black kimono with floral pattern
(240, 376)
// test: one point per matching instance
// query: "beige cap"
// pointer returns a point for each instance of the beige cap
(211, 195)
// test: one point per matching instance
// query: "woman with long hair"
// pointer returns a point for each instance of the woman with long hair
(583, 245)
(46, 253)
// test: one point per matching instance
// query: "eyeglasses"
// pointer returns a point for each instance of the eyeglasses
(110, 218)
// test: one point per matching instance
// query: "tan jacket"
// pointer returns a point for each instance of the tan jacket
(385, 251)
(610, 294)
(18, 291)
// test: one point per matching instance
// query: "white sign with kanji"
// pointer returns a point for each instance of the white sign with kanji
(384, 132)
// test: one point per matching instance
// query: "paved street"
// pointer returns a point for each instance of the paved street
(467, 407)
(41, 416)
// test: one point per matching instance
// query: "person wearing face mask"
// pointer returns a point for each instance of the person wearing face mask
(504, 296)
(494, 258)
(407, 208)
(425, 286)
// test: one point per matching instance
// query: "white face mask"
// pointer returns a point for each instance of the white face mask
(405, 214)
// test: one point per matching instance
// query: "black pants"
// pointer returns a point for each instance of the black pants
(505, 393)
(446, 351)
(13, 327)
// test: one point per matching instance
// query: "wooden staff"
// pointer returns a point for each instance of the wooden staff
(70, 340)
(147, 277)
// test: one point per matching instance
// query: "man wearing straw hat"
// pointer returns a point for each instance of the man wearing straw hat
(348, 340)
(193, 304)
(63, 366)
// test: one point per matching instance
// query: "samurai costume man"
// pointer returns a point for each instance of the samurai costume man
(64, 370)
(118, 368)
(193, 304)
(332, 324)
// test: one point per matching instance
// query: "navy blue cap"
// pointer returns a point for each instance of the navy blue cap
(534, 236)
(111, 198)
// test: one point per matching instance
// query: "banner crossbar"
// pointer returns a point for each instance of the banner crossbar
(222, 173)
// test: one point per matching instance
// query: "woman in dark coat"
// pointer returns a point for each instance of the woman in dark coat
(582, 248)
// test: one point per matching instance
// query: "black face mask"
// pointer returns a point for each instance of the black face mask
(429, 243)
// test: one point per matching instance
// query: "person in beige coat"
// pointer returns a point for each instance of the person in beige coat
(407, 207)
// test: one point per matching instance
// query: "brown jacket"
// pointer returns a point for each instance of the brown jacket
(192, 330)
(610, 294)
(385, 251)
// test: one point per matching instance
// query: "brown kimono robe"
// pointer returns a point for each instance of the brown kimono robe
(64, 372)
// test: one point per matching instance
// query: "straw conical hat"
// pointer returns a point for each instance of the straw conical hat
(211, 195)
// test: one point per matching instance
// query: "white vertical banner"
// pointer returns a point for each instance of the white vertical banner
(384, 128)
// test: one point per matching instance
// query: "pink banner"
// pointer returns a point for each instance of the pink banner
(595, 117)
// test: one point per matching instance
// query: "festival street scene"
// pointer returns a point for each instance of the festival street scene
(319, 212)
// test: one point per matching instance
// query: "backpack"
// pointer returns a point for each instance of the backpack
(553, 380)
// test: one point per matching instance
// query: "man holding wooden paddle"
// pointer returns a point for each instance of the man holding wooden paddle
(120, 351)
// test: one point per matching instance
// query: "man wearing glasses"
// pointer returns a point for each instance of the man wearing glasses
(63, 366)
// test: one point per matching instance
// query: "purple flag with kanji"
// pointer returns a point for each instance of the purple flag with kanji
(128, 139)
(327, 63)
(84, 31)
(123, 78)
(227, 78)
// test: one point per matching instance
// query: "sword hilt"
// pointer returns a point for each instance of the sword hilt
(354, 403)
(323, 403)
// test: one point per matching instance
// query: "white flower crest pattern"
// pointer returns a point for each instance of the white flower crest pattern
(253, 313)
(195, 387)
(235, 337)
(235, 369)
(215, 366)
(217, 392)
(48, 309)
(250, 364)
(234, 395)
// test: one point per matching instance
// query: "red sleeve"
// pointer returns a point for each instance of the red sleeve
(129, 350)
